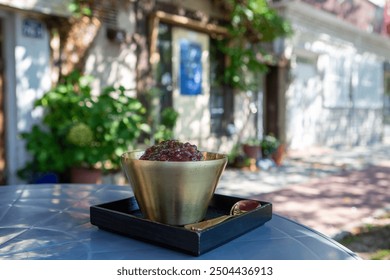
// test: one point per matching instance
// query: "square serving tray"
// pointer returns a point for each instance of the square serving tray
(124, 217)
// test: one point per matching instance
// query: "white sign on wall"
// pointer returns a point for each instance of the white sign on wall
(32, 28)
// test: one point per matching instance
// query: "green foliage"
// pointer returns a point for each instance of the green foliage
(80, 129)
(269, 145)
(46, 152)
(253, 142)
(164, 130)
(162, 122)
(383, 254)
(253, 22)
(80, 135)
(80, 8)
(233, 154)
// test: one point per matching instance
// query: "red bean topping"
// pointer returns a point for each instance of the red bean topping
(172, 150)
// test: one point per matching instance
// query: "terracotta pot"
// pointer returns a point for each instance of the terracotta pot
(83, 175)
(252, 151)
(278, 155)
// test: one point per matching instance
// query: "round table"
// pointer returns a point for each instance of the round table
(52, 221)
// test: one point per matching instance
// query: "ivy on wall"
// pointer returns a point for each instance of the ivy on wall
(80, 8)
(252, 23)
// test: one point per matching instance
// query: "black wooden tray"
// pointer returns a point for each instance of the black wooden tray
(124, 217)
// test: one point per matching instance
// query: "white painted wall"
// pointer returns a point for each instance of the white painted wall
(57, 7)
(335, 97)
(114, 63)
(28, 68)
(304, 102)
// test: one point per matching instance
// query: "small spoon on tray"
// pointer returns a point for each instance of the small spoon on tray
(240, 207)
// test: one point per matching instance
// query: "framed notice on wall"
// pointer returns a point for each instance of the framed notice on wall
(190, 61)
(32, 28)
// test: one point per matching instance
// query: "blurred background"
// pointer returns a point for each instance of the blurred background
(83, 81)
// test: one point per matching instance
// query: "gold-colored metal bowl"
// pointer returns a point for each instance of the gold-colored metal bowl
(175, 193)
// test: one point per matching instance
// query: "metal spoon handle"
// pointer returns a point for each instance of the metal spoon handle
(207, 223)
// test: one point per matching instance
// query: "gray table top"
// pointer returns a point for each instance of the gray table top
(52, 221)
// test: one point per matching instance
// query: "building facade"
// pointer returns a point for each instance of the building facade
(326, 89)
(25, 74)
(336, 85)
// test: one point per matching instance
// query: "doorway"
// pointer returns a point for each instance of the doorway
(276, 82)
(271, 99)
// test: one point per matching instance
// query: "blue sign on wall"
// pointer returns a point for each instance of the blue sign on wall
(32, 28)
(190, 68)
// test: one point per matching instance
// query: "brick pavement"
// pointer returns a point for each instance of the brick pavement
(330, 191)
(335, 204)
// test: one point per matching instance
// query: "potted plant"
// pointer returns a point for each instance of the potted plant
(82, 130)
(279, 154)
(269, 145)
(252, 148)
(272, 148)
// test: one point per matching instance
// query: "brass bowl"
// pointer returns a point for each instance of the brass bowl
(174, 193)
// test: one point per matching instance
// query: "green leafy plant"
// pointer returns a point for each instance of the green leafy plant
(233, 154)
(80, 8)
(253, 23)
(269, 145)
(253, 142)
(82, 129)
